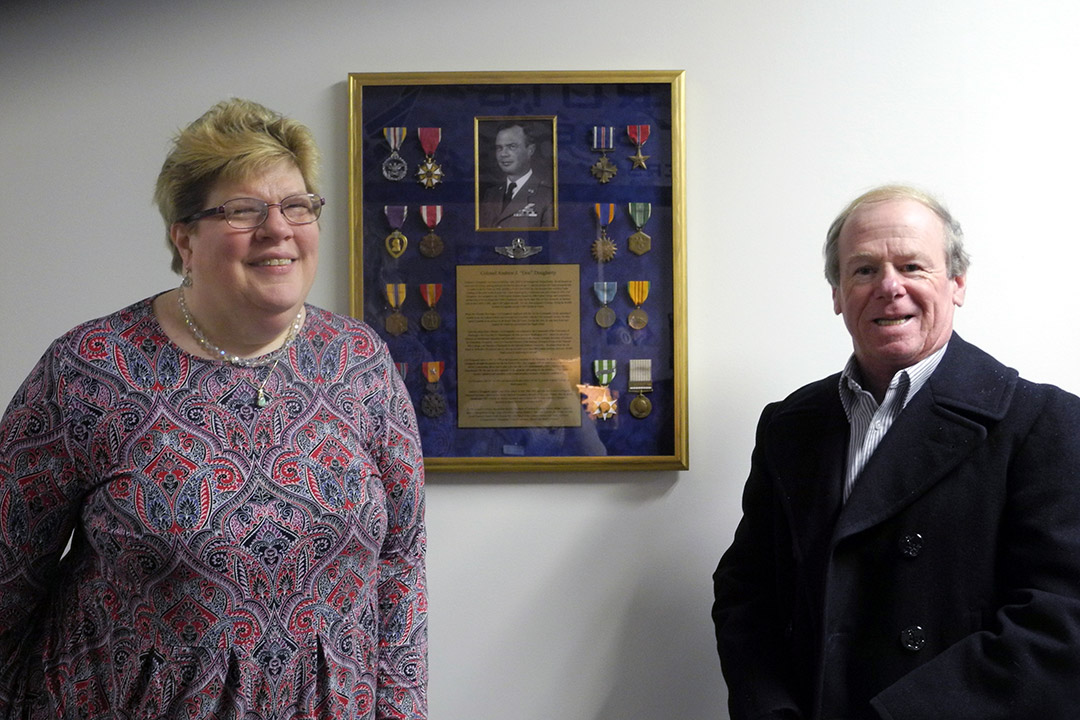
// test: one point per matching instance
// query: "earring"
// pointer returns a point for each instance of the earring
(186, 282)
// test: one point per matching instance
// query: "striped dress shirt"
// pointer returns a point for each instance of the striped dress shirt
(869, 420)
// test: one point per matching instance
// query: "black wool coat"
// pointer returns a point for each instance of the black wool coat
(947, 586)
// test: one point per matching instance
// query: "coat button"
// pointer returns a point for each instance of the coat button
(911, 545)
(913, 638)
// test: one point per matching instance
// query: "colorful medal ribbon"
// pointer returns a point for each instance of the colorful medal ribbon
(433, 371)
(402, 369)
(605, 291)
(396, 242)
(433, 403)
(395, 294)
(393, 167)
(639, 291)
(638, 135)
(603, 249)
(430, 173)
(604, 370)
(639, 243)
(431, 292)
(603, 142)
(431, 245)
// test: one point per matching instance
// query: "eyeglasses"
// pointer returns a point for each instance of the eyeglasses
(248, 213)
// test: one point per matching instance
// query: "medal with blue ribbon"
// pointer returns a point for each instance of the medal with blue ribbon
(393, 167)
(603, 142)
(396, 242)
(639, 243)
(605, 293)
(603, 248)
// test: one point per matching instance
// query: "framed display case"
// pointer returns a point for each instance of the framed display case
(518, 239)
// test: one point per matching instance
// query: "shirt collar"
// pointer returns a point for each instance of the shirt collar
(914, 376)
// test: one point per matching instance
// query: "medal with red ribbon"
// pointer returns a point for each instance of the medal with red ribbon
(429, 173)
(603, 248)
(433, 403)
(431, 292)
(393, 167)
(432, 245)
(603, 143)
(638, 135)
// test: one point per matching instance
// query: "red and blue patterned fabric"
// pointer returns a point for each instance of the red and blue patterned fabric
(227, 560)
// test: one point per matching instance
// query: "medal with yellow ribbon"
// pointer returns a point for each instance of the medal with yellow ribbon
(431, 292)
(429, 172)
(394, 167)
(603, 249)
(432, 245)
(638, 135)
(396, 242)
(639, 293)
(639, 243)
(603, 142)
(396, 323)
(433, 404)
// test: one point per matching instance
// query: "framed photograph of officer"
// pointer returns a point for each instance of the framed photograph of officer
(516, 173)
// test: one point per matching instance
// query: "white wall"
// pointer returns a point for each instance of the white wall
(582, 597)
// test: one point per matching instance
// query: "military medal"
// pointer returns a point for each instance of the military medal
(638, 135)
(639, 243)
(393, 167)
(431, 292)
(603, 143)
(603, 249)
(396, 241)
(432, 245)
(402, 369)
(433, 403)
(396, 323)
(640, 382)
(604, 405)
(429, 173)
(605, 292)
(639, 292)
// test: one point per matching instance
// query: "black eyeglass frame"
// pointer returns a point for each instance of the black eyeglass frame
(220, 210)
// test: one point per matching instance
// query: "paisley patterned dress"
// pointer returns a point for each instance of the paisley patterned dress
(227, 560)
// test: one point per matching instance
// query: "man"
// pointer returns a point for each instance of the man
(910, 541)
(522, 199)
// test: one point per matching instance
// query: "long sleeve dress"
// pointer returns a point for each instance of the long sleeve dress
(226, 560)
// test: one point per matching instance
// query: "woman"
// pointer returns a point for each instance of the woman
(241, 471)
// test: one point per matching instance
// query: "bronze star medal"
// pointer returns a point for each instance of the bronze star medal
(638, 135)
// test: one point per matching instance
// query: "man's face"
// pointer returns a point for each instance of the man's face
(894, 293)
(512, 152)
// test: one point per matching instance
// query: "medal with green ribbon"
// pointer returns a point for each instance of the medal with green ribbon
(639, 243)
(604, 405)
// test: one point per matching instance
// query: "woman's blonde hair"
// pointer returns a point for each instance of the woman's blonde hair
(234, 140)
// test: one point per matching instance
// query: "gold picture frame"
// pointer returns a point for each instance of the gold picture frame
(554, 340)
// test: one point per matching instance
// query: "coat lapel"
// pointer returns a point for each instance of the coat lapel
(940, 427)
